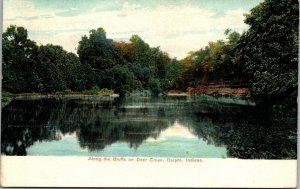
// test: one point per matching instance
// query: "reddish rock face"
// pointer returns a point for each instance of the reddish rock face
(217, 90)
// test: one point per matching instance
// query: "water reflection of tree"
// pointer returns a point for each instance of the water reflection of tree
(99, 135)
(248, 132)
(94, 121)
(23, 123)
(97, 124)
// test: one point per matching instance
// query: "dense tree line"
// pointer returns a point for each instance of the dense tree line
(265, 57)
(126, 66)
(102, 63)
(268, 51)
(28, 67)
(215, 62)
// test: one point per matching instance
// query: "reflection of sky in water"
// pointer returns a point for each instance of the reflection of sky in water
(176, 130)
(175, 141)
(203, 126)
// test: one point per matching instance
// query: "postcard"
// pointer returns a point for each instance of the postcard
(148, 93)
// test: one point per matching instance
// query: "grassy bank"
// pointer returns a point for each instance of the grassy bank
(6, 98)
(104, 92)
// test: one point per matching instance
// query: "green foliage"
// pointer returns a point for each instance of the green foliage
(6, 98)
(102, 63)
(100, 53)
(19, 61)
(155, 86)
(212, 63)
(6, 95)
(174, 73)
(47, 69)
(147, 64)
(268, 51)
(93, 91)
(106, 91)
(60, 70)
(52, 68)
(123, 79)
(122, 66)
(233, 37)
(142, 53)
(96, 91)
(142, 73)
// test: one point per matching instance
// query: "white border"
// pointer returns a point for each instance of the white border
(53, 171)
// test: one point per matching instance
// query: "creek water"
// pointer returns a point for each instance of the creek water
(174, 126)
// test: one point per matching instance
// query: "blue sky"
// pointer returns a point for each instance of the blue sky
(177, 26)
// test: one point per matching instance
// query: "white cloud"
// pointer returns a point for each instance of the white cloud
(69, 40)
(130, 7)
(176, 29)
(235, 17)
(23, 8)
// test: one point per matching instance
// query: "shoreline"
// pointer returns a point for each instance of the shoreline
(206, 90)
(60, 95)
(216, 90)
(200, 90)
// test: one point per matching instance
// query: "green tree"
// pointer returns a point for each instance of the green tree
(124, 80)
(61, 70)
(149, 65)
(155, 86)
(52, 62)
(268, 51)
(143, 54)
(20, 72)
(174, 74)
(48, 68)
(125, 51)
(141, 73)
(214, 62)
(141, 51)
(100, 53)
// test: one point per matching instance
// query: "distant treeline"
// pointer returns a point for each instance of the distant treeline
(265, 57)
(101, 63)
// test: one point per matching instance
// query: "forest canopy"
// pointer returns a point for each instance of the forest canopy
(263, 58)
(101, 63)
(268, 51)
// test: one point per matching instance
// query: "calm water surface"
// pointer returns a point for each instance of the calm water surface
(203, 127)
